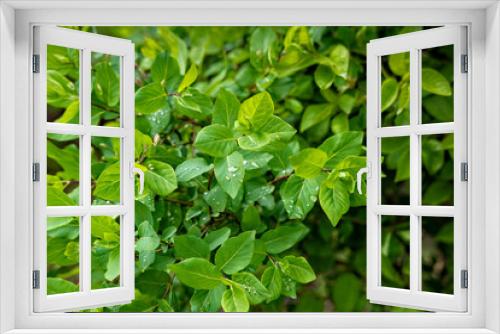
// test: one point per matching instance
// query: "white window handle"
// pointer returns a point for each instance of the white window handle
(134, 170)
(359, 175)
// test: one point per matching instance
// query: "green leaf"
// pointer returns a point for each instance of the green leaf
(340, 60)
(347, 290)
(105, 227)
(261, 47)
(294, 59)
(189, 78)
(294, 105)
(216, 198)
(255, 160)
(197, 273)
(432, 155)
(340, 123)
(165, 71)
(188, 245)
(256, 292)
(235, 253)
(277, 129)
(71, 114)
(147, 244)
(160, 177)
(254, 141)
(192, 168)
(283, 237)
(107, 84)
(150, 98)
(334, 201)
(324, 76)
(56, 197)
(207, 300)
(434, 82)
(142, 143)
(439, 107)
(342, 145)
(72, 251)
(403, 166)
(235, 300)
(56, 247)
(226, 109)
(288, 287)
(216, 140)
(68, 158)
(108, 184)
(56, 285)
(256, 110)
(164, 306)
(176, 46)
(113, 265)
(152, 282)
(61, 91)
(217, 237)
(297, 268)
(229, 172)
(399, 63)
(315, 114)
(299, 196)
(438, 193)
(251, 220)
(271, 279)
(390, 89)
(193, 104)
(346, 103)
(309, 162)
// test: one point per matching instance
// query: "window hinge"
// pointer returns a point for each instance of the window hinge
(465, 64)
(36, 63)
(36, 172)
(464, 279)
(464, 171)
(36, 279)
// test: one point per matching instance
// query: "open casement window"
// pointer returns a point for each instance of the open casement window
(416, 135)
(71, 189)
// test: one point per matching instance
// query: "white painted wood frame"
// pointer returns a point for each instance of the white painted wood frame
(414, 43)
(85, 43)
(17, 17)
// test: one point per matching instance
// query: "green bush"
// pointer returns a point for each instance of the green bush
(250, 139)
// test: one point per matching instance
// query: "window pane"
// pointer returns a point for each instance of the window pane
(105, 89)
(395, 168)
(105, 257)
(63, 254)
(395, 251)
(63, 75)
(437, 169)
(395, 89)
(437, 84)
(63, 170)
(105, 164)
(437, 254)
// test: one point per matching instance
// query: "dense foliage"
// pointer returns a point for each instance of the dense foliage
(250, 140)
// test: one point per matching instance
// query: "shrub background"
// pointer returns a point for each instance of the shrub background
(250, 138)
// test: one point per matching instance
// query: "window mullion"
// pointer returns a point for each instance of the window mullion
(85, 170)
(415, 172)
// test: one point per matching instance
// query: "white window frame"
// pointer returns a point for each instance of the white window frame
(414, 43)
(85, 43)
(16, 21)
